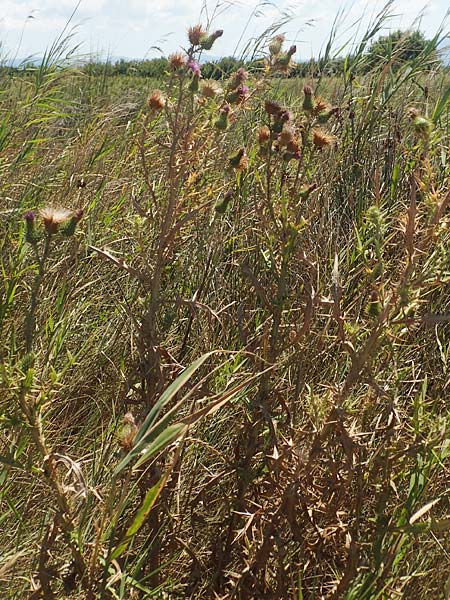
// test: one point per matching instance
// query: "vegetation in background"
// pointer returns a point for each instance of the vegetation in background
(224, 317)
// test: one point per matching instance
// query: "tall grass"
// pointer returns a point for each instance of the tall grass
(224, 368)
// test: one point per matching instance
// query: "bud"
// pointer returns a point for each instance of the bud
(308, 102)
(69, 228)
(374, 307)
(223, 204)
(31, 235)
(207, 41)
(422, 127)
(221, 122)
(194, 85)
(306, 190)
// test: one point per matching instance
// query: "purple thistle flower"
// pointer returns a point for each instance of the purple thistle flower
(243, 91)
(194, 67)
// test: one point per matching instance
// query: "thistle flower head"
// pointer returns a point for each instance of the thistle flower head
(287, 135)
(156, 101)
(177, 61)
(238, 78)
(207, 41)
(211, 89)
(322, 139)
(272, 108)
(263, 134)
(195, 34)
(275, 45)
(194, 67)
(238, 95)
(128, 431)
(53, 217)
(31, 235)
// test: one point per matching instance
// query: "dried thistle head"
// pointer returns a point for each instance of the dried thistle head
(287, 135)
(321, 105)
(195, 34)
(211, 89)
(276, 44)
(177, 61)
(263, 134)
(273, 108)
(52, 217)
(322, 139)
(238, 78)
(156, 101)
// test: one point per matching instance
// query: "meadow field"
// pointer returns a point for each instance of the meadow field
(225, 329)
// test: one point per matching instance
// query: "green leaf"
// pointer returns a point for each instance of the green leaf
(149, 501)
(169, 393)
(440, 106)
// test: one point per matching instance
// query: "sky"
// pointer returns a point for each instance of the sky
(147, 28)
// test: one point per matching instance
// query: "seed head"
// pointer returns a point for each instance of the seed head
(238, 78)
(322, 139)
(195, 34)
(263, 135)
(276, 43)
(321, 105)
(211, 89)
(156, 101)
(177, 61)
(273, 108)
(128, 431)
(287, 135)
(53, 217)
